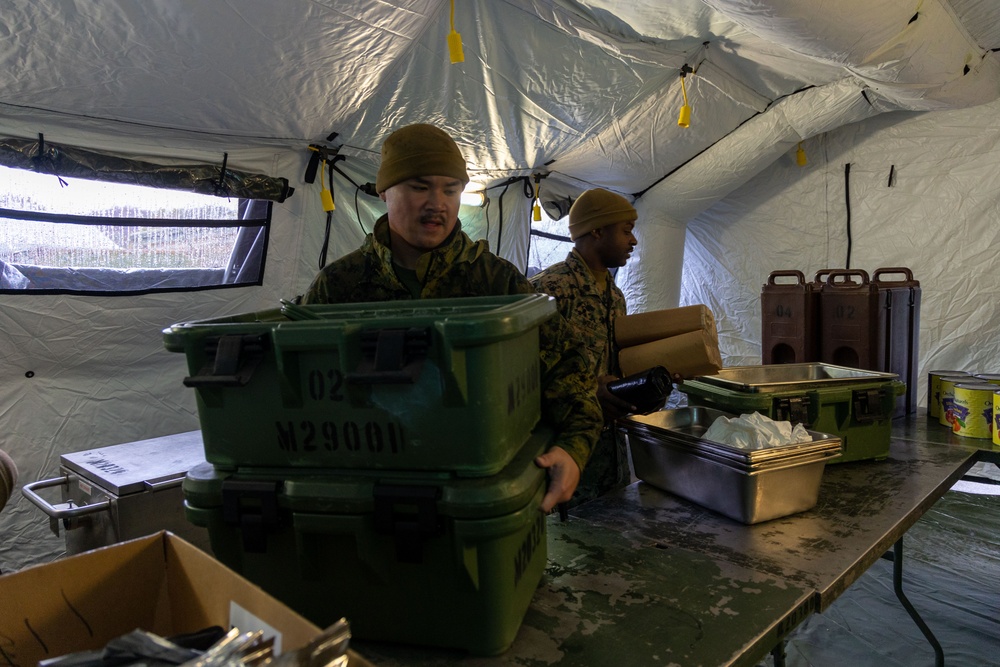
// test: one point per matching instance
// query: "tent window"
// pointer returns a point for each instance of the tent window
(549, 243)
(68, 235)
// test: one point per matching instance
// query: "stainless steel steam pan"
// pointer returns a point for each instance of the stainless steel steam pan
(790, 377)
(728, 482)
(685, 427)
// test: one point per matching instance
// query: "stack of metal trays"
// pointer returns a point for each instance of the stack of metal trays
(748, 485)
(791, 377)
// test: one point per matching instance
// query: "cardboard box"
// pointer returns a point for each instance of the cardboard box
(659, 324)
(689, 354)
(158, 583)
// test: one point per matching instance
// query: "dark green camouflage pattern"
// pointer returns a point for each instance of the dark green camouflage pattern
(591, 313)
(462, 267)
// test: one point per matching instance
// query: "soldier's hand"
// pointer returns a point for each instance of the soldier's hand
(564, 475)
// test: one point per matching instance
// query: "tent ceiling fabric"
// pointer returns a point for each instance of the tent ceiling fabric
(589, 88)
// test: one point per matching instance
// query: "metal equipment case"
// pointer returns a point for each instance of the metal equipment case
(419, 558)
(400, 385)
(117, 493)
(853, 404)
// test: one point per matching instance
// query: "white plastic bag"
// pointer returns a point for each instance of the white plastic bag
(755, 431)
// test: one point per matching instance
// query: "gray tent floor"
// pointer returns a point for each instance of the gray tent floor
(951, 575)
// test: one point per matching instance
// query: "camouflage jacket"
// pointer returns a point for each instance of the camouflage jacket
(461, 267)
(590, 311)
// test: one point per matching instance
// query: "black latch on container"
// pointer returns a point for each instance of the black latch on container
(409, 514)
(868, 405)
(793, 409)
(391, 356)
(232, 361)
(253, 507)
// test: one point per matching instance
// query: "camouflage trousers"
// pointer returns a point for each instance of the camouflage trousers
(608, 468)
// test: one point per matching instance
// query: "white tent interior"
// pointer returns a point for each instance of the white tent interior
(583, 94)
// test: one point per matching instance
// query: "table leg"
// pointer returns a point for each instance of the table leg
(896, 556)
(778, 654)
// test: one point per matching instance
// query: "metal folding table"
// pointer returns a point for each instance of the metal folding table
(643, 577)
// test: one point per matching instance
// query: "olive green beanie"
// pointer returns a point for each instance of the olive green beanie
(598, 208)
(419, 150)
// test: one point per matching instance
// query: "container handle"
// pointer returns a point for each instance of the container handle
(55, 513)
(164, 484)
(821, 275)
(877, 277)
(846, 274)
(791, 273)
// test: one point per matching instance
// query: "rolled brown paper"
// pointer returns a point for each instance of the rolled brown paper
(657, 324)
(689, 354)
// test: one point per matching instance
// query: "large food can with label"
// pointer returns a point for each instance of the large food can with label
(934, 390)
(947, 397)
(996, 417)
(972, 409)
(992, 378)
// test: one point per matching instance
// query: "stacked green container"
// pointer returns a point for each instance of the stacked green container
(422, 559)
(444, 384)
(376, 461)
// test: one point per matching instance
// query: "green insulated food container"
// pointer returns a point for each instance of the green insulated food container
(417, 558)
(436, 384)
(853, 404)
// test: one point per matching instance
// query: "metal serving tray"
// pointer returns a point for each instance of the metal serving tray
(790, 377)
(712, 475)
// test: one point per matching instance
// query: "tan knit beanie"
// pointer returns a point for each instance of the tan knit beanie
(419, 150)
(598, 208)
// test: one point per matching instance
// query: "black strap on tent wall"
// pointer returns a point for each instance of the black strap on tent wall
(500, 214)
(59, 160)
(221, 189)
(847, 201)
(329, 157)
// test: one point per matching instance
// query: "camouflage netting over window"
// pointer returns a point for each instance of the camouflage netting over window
(48, 158)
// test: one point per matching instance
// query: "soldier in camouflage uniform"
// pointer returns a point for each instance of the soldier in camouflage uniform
(600, 225)
(417, 250)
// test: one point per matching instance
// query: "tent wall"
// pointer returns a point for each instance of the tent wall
(939, 218)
